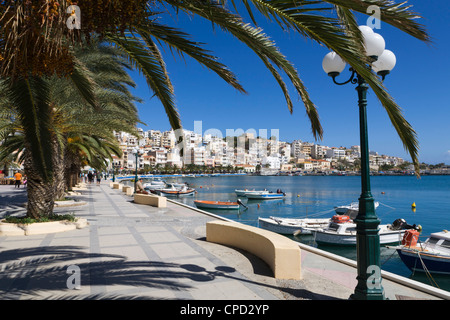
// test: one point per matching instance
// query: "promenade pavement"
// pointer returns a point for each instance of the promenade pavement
(131, 251)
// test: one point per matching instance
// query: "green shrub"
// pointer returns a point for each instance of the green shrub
(28, 220)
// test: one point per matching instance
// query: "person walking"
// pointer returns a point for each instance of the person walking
(18, 179)
(90, 177)
(99, 177)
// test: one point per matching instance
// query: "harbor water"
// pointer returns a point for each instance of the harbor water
(316, 197)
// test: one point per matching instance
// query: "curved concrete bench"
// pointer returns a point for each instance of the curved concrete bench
(279, 252)
(150, 199)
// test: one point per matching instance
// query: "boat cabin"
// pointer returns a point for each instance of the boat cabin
(439, 241)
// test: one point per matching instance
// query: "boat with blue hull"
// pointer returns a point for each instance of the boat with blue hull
(432, 256)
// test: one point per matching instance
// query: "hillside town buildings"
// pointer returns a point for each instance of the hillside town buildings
(250, 153)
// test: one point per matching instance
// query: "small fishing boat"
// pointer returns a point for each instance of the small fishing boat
(176, 184)
(431, 256)
(292, 226)
(155, 184)
(174, 192)
(245, 192)
(266, 196)
(342, 231)
(353, 207)
(204, 204)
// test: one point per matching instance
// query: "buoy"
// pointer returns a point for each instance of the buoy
(382, 192)
(413, 205)
(258, 205)
(298, 196)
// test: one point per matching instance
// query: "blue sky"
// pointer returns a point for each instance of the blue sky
(418, 83)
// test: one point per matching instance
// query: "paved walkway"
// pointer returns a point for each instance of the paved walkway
(132, 251)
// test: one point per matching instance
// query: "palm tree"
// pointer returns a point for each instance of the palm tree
(89, 131)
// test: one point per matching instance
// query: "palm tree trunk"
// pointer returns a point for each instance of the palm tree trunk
(59, 173)
(41, 195)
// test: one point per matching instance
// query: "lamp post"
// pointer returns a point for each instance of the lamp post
(367, 238)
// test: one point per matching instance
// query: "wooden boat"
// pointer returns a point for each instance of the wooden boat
(431, 256)
(217, 204)
(266, 196)
(342, 231)
(292, 226)
(245, 192)
(353, 207)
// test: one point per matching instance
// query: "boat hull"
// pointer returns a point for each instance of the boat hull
(244, 193)
(434, 263)
(267, 196)
(217, 205)
(330, 238)
(176, 193)
(303, 226)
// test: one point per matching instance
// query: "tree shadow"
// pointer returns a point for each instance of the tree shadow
(35, 271)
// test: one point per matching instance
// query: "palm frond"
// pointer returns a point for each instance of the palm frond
(150, 63)
(31, 98)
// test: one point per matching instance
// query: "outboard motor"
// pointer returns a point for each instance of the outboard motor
(400, 224)
(240, 202)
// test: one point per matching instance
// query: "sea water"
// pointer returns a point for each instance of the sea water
(316, 197)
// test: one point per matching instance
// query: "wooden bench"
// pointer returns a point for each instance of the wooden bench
(279, 252)
(150, 199)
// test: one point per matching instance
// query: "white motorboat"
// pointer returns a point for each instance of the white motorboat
(292, 226)
(266, 196)
(353, 207)
(431, 256)
(244, 192)
(176, 192)
(155, 184)
(342, 231)
(176, 184)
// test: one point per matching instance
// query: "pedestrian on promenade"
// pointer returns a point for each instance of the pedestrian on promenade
(99, 177)
(18, 179)
(90, 176)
